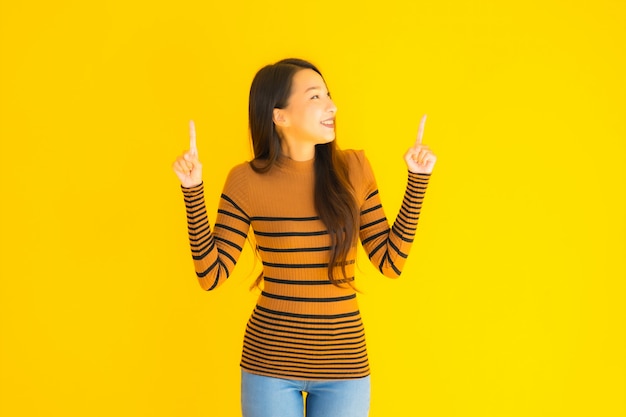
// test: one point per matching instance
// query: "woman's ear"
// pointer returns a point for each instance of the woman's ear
(279, 117)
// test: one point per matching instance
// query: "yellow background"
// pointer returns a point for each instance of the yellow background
(513, 300)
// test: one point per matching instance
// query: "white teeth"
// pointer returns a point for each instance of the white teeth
(328, 122)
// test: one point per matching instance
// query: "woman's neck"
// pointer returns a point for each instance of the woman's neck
(298, 151)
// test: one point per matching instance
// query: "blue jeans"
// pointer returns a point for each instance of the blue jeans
(263, 396)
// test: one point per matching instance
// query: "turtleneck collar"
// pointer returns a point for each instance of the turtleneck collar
(289, 164)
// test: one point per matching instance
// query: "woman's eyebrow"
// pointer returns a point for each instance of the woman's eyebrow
(312, 88)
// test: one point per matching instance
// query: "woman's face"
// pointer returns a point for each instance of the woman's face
(309, 117)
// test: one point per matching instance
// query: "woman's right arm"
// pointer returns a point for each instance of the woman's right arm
(214, 252)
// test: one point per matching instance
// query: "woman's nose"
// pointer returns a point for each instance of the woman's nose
(331, 106)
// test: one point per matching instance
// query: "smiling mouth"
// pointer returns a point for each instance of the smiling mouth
(328, 123)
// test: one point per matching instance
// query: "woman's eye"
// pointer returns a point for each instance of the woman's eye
(315, 96)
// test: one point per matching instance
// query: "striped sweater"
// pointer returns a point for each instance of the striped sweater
(303, 326)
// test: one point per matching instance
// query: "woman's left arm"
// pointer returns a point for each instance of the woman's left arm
(388, 248)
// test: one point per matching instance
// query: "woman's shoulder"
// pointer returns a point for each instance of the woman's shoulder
(359, 169)
(242, 168)
(357, 161)
(354, 157)
(239, 175)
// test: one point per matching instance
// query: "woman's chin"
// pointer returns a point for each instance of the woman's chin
(328, 138)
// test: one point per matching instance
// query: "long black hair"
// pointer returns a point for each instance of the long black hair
(334, 198)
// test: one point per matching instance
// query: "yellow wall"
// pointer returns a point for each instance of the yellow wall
(513, 300)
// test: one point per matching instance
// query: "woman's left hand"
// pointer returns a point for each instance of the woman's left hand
(419, 158)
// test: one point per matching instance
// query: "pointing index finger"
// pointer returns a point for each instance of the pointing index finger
(192, 138)
(420, 131)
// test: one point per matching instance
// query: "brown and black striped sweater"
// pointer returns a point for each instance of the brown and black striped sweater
(303, 326)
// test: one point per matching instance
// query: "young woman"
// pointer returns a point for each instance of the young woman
(308, 204)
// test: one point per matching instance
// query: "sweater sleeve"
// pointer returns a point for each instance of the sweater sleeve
(215, 252)
(388, 247)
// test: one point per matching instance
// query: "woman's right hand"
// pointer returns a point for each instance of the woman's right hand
(187, 166)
